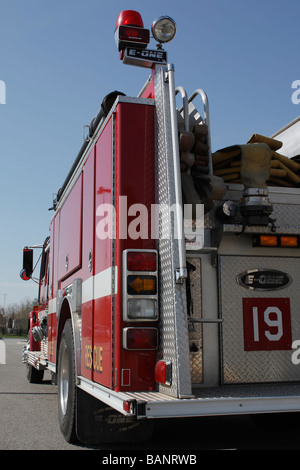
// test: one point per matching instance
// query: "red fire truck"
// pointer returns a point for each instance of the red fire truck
(169, 282)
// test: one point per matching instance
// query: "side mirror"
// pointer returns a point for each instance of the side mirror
(27, 269)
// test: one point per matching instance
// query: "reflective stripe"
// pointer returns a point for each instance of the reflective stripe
(88, 290)
(98, 286)
(95, 287)
(52, 306)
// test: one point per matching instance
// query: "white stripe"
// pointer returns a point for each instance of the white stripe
(95, 287)
(98, 286)
(52, 306)
(88, 289)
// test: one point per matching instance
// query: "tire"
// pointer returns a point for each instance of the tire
(67, 385)
(33, 375)
(97, 423)
(100, 424)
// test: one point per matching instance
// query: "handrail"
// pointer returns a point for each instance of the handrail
(203, 95)
(181, 271)
(185, 106)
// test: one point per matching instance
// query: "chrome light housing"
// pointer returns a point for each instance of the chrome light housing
(163, 29)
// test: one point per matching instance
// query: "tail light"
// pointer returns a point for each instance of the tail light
(141, 261)
(163, 372)
(130, 31)
(140, 285)
(135, 339)
(141, 309)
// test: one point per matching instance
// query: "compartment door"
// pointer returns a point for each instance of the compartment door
(260, 308)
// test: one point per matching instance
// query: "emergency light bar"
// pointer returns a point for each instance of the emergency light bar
(132, 39)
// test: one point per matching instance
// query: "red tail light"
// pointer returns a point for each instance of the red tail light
(141, 261)
(163, 372)
(135, 339)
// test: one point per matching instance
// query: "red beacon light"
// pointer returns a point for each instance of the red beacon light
(129, 18)
(130, 31)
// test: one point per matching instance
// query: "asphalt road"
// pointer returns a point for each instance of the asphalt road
(28, 420)
(28, 412)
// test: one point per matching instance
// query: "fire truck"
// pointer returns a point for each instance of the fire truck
(169, 281)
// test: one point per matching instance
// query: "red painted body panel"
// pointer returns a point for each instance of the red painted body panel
(135, 180)
(102, 349)
(70, 232)
(55, 223)
(103, 190)
(149, 91)
(78, 229)
(88, 230)
(53, 285)
(102, 345)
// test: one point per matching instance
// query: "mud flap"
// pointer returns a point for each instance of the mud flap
(97, 423)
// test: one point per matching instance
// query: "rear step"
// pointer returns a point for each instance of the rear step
(226, 400)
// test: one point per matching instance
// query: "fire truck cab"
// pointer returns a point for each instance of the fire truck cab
(170, 277)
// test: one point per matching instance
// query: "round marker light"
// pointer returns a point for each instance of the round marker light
(163, 29)
(23, 275)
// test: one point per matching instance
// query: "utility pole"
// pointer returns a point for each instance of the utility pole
(4, 295)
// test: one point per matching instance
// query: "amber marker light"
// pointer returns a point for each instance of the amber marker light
(289, 241)
(268, 240)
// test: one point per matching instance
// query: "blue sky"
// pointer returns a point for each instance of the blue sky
(58, 60)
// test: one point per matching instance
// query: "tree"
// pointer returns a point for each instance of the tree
(18, 314)
(2, 321)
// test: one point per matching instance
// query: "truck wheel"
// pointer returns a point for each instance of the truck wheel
(33, 375)
(100, 424)
(67, 385)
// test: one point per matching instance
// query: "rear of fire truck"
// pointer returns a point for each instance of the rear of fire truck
(228, 247)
